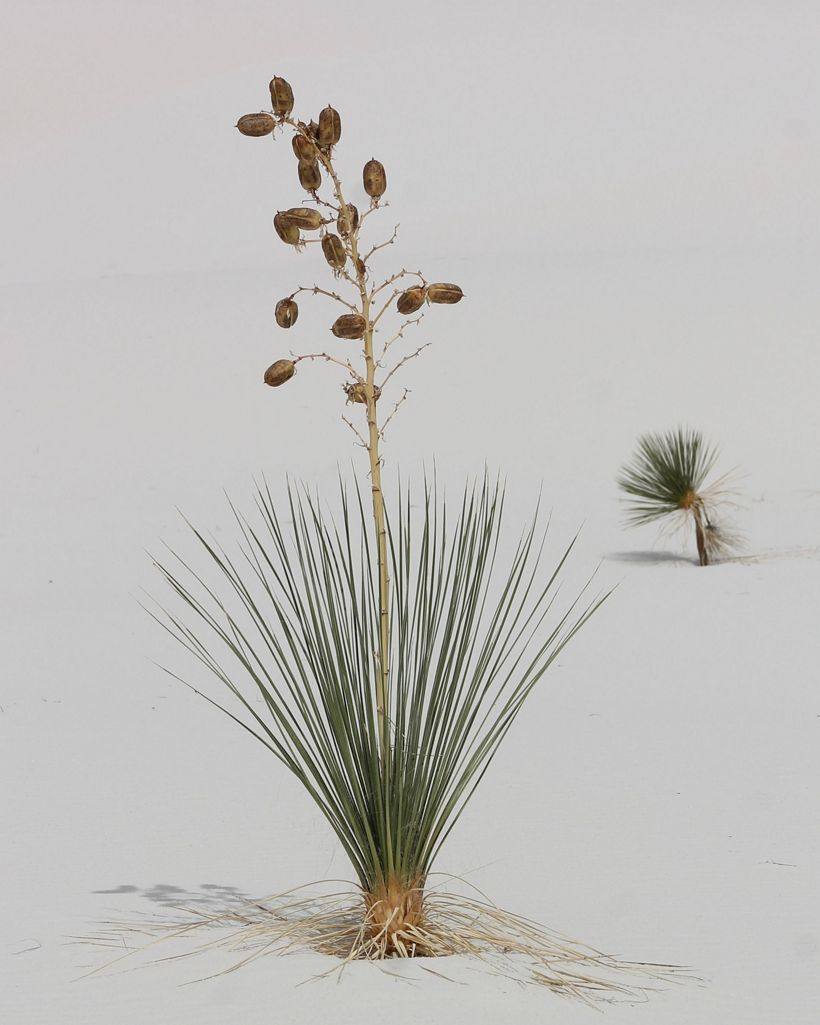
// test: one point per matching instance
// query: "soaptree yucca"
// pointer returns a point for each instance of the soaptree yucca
(290, 625)
(381, 653)
(667, 478)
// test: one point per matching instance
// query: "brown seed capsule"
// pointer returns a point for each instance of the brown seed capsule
(374, 178)
(349, 325)
(334, 250)
(256, 125)
(286, 313)
(411, 299)
(281, 96)
(304, 148)
(348, 219)
(330, 127)
(279, 372)
(289, 233)
(360, 267)
(310, 177)
(313, 130)
(357, 393)
(442, 292)
(302, 217)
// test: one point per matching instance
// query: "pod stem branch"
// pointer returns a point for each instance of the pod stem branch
(395, 277)
(382, 245)
(406, 359)
(331, 359)
(315, 290)
(394, 410)
(399, 334)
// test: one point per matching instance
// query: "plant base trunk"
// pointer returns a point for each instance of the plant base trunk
(396, 920)
(703, 553)
(394, 915)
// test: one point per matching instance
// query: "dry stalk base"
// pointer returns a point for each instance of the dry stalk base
(347, 927)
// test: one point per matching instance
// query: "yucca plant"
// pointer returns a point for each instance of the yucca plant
(666, 479)
(383, 654)
(291, 627)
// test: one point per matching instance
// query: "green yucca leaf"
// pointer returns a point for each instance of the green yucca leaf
(290, 627)
(664, 474)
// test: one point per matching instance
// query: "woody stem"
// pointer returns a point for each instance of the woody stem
(379, 519)
(703, 554)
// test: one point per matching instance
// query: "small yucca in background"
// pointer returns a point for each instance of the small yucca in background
(668, 477)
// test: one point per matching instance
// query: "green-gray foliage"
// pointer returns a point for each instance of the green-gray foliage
(664, 472)
(294, 636)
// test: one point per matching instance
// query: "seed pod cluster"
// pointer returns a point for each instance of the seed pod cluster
(310, 177)
(411, 299)
(329, 129)
(349, 325)
(281, 96)
(304, 148)
(374, 178)
(279, 372)
(312, 145)
(286, 312)
(356, 392)
(289, 233)
(256, 125)
(348, 220)
(302, 217)
(444, 292)
(334, 250)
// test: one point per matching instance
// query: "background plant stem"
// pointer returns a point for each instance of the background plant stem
(703, 555)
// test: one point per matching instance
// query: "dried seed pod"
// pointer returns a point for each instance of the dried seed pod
(334, 250)
(356, 392)
(443, 292)
(289, 233)
(360, 267)
(348, 219)
(256, 125)
(302, 217)
(411, 299)
(286, 312)
(330, 127)
(279, 372)
(313, 130)
(349, 325)
(310, 177)
(303, 148)
(281, 96)
(374, 178)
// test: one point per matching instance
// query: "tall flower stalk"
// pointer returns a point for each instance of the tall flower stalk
(314, 148)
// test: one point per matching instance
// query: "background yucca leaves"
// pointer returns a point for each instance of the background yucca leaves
(665, 473)
(295, 640)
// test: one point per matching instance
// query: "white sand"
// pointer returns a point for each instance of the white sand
(652, 260)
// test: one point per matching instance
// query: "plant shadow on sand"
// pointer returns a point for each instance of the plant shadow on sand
(650, 558)
(212, 896)
(656, 558)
